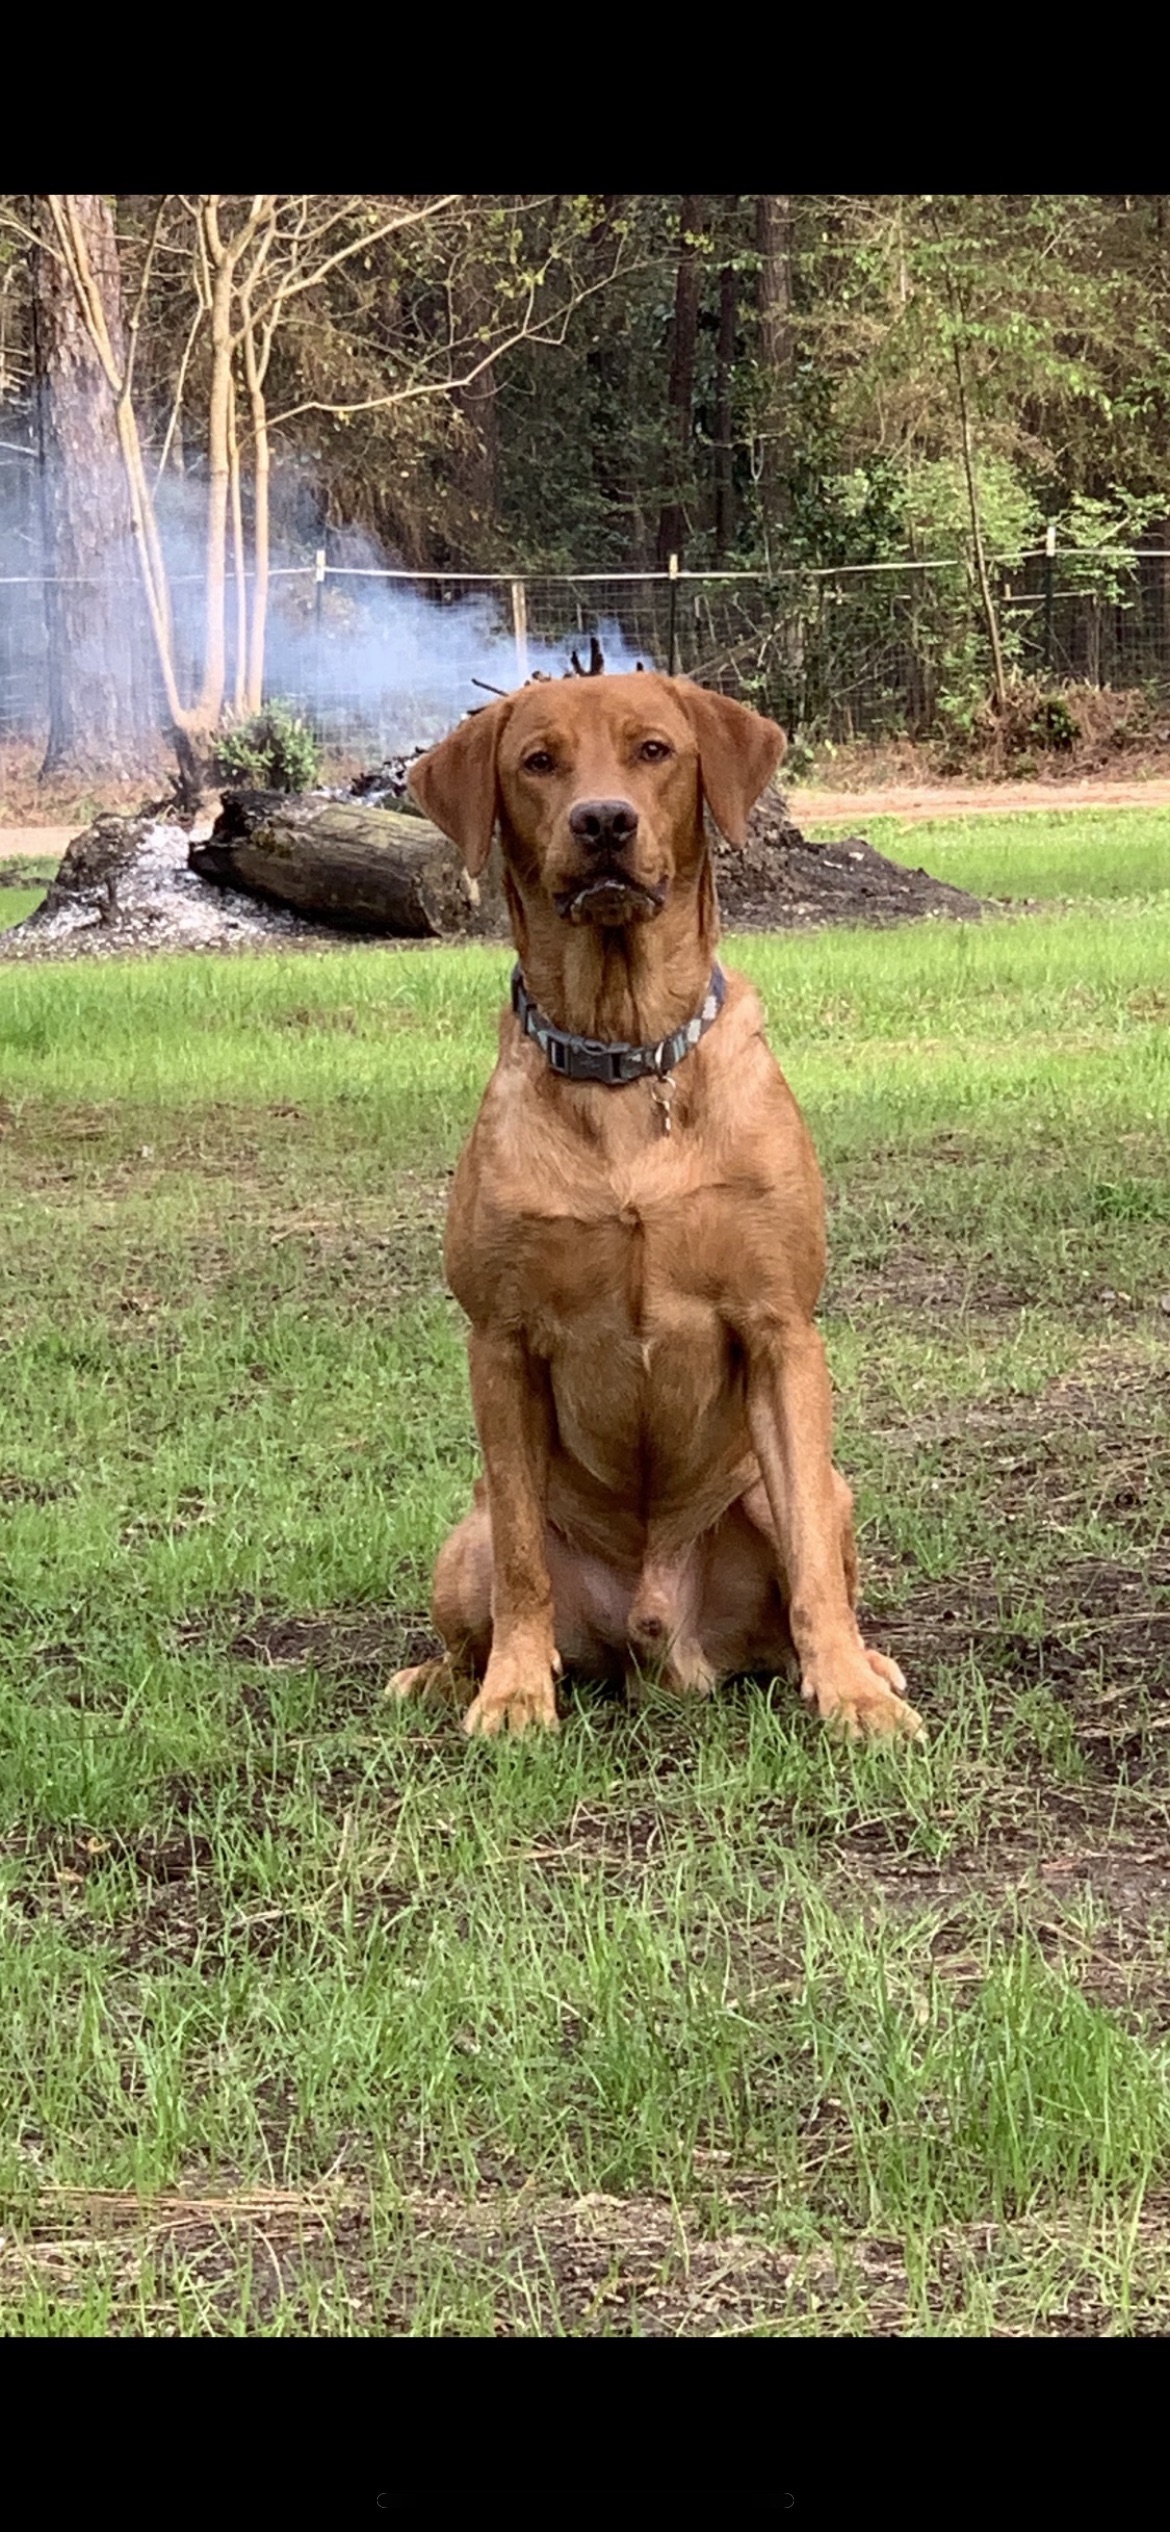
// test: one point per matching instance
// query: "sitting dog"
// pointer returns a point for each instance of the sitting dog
(636, 1233)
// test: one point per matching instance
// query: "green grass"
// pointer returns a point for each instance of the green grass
(318, 2019)
(16, 902)
(1103, 854)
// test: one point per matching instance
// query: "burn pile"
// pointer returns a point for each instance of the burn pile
(277, 870)
(782, 881)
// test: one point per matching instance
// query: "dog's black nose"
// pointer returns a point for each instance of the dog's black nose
(603, 826)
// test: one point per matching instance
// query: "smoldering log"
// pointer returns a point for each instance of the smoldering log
(377, 869)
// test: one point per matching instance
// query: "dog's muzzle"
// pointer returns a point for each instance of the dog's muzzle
(609, 897)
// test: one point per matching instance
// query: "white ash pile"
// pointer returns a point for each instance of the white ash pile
(126, 885)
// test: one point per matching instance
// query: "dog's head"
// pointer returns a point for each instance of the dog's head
(598, 786)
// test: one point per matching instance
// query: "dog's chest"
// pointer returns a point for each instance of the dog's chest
(633, 1260)
(625, 1305)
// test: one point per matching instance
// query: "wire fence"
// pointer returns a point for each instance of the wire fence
(380, 660)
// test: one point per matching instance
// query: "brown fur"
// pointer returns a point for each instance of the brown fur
(649, 1387)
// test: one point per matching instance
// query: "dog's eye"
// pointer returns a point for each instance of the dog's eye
(540, 762)
(653, 749)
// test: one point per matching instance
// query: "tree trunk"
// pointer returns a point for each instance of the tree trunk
(681, 393)
(724, 368)
(98, 713)
(774, 240)
(612, 460)
(240, 679)
(261, 458)
(375, 868)
(479, 459)
(218, 481)
(982, 575)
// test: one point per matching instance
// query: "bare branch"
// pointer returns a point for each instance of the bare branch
(551, 330)
(309, 280)
(180, 383)
(28, 233)
(135, 319)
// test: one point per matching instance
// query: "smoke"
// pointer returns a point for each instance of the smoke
(380, 665)
(404, 660)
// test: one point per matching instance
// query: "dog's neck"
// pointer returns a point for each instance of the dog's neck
(630, 984)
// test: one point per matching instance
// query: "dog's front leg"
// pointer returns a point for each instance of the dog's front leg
(509, 1393)
(790, 1414)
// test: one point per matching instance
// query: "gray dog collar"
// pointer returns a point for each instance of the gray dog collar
(589, 1059)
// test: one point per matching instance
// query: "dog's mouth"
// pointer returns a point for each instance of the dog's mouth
(609, 897)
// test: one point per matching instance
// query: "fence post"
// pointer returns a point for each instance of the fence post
(672, 645)
(1049, 551)
(318, 611)
(520, 629)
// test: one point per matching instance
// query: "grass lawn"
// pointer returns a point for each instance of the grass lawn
(22, 886)
(316, 2018)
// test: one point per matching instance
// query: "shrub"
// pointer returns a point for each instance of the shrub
(274, 751)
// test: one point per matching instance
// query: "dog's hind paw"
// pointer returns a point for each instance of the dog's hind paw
(424, 1679)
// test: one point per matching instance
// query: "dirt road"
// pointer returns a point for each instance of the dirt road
(920, 801)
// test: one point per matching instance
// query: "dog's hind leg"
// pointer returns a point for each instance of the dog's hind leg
(589, 1611)
(461, 1611)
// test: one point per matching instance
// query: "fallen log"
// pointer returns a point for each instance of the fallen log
(377, 869)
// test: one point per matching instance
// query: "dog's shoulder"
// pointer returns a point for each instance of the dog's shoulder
(738, 1051)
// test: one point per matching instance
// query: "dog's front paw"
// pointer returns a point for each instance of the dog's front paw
(517, 1695)
(857, 1693)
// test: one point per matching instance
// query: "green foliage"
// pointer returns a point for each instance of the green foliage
(1102, 534)
(1053, 723)
(488, 387)
(274, 751)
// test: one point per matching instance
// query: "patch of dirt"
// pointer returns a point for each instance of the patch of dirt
(922, 1285)
(917, 802)
(369, 1643)
(1132, 1885)
(1055, 1459)
(595, 2262)
(1100, 1642)
(592, 2265)
(971, 1282)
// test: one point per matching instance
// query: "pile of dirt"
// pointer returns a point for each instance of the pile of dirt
(781, 882)
(125, 885)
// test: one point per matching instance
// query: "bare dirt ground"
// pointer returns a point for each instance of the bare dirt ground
(35, 843)
(809, 805)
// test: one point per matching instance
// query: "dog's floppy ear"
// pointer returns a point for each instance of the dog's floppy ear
(738, 755)
(455, 783)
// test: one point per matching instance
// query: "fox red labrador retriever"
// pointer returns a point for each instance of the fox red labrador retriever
(636, 1233)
